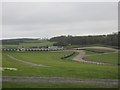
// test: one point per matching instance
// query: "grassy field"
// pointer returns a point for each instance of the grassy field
(10, 45)
(100, 50)
(93, 45)
(27, 45)
(87, 52)
(47, 43)
(107, 58)
(57, 67)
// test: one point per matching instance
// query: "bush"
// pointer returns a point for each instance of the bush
(67, 56)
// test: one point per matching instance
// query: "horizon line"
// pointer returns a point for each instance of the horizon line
(55, 36)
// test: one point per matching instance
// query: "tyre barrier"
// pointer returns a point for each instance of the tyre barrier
(30, 49)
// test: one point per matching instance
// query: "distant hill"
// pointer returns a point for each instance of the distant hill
(21, 40)
(110, 39)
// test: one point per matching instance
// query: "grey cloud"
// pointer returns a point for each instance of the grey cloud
(56, 12)
(27, 19)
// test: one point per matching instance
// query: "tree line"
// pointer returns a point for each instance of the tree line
(109, 39)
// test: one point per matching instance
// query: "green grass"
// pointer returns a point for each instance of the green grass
(87, 52)
(46, 43)
(99, 50)
(30, 44)
(91, 45)
(10, 45)
(107, 58)
(52, 85)
(58, 67)
(71, 57)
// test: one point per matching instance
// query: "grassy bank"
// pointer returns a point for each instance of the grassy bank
(57, 66)
(109, 57)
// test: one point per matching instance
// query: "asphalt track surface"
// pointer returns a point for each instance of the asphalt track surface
(25, 79)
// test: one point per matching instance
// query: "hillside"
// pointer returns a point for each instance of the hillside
(109, 40)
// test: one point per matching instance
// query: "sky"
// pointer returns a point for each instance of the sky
(49, 19)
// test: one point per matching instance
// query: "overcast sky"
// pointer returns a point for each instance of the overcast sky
(45, 20)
